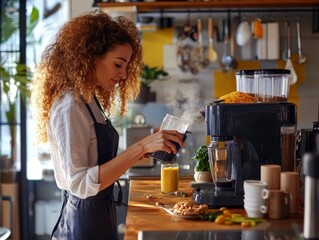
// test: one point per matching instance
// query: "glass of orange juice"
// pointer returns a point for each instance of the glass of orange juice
(169, 178)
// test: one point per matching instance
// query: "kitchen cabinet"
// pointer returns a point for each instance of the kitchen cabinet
(166, 5)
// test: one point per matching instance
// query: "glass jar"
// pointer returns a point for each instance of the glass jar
(288, 148)
(272, 85)
(223, 159)
(245, 82)
(169, 178)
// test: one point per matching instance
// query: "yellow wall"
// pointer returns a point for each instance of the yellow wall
(153, 43)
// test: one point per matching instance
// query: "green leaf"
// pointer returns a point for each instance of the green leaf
(11, 113)
(10, 25)
(201, 159)
(150, 74)
(211, 216)
(33, 20)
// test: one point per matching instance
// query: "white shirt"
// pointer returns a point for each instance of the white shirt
(73, 146)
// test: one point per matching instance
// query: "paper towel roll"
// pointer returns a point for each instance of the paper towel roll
(261, 45)
(40, 218)
(273, 41)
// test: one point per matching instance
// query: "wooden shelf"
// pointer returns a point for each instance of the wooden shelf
(162, 5)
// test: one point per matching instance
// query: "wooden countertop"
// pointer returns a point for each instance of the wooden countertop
(142, 214)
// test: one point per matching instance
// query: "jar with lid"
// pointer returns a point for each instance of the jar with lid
(288, 147)
(272, 85)
(245, 82)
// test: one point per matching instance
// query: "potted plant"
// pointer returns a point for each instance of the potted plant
(202, 171)
(14, 82)
(149, 75)
(13, 86)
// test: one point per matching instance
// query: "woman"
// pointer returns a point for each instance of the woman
(93, 61)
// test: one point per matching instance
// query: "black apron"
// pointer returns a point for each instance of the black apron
(93, 218)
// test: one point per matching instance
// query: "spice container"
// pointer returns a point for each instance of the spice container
(272, 85)
(245, 82)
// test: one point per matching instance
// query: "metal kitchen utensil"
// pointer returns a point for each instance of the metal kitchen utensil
(200, 37)
(289, 65)
(301, 58)
(212, 55)
(191, 55)
(226, 59)
(185, 48)
(234, 63)
(201, 50)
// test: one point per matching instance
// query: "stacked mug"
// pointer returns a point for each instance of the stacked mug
(253, 201)
(275, 195)
(282, 193)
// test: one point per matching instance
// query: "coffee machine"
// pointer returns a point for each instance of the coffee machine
(251, 129)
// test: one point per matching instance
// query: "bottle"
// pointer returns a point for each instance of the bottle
(311, 210)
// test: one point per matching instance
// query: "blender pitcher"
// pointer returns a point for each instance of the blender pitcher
(223, 159)
(171, 123)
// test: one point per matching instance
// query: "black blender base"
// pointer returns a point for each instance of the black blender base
(204, 193)
(221, 201)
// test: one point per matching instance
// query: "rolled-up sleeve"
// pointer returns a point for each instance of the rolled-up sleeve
(74, 150)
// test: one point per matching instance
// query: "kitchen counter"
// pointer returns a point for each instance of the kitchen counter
(144, 216)
(154, 172)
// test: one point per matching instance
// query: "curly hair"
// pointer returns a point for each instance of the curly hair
(68, 64)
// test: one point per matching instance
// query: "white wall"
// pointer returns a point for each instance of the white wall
(78, 7)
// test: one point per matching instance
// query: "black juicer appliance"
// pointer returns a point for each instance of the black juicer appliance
(243, 137)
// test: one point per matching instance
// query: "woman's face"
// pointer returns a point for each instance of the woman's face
(111, 68)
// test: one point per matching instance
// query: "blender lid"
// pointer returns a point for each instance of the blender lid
(272, 71)
(221, 138)
(245, 72)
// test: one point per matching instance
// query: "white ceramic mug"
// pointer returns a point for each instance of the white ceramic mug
(253, 200)
(253, 188)
(255, 212)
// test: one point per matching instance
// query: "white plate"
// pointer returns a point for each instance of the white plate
(170, 209)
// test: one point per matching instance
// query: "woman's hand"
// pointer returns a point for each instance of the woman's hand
(161, 141)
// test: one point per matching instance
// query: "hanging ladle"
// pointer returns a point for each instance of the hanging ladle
(301, 58)
(226, 60)
(289, 65)
(212, 55)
